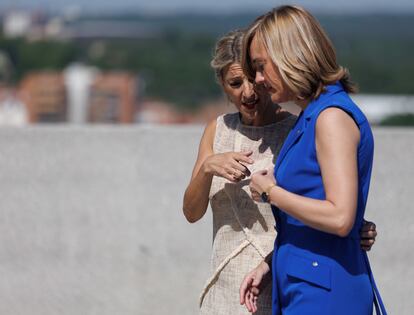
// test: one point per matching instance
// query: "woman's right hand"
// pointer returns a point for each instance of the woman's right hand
(230, 165)
(252, 284)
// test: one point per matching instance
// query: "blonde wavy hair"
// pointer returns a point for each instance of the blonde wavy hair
(299, 47)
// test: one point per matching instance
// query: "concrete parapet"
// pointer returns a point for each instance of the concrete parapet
(91, 221)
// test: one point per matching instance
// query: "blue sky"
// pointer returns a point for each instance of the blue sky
(163, 6)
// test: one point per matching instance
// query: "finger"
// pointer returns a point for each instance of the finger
(255, 304)
(252, 303)
(237, 174)
(240, 157)
(366, 248)
(255, 291)
(246, 301)
(241, 167)
(242, 293)
(248, 305)
(228, 173)
(243, 288)
(247, 153)
(368, 242)
(247, 171)
(257, 280)
(369, 234)
(236, 165)
(369, 226)
(257, 177)
(230, 178)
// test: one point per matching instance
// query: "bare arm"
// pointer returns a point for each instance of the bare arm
(228, 165)
(196, 195)
(337, 139)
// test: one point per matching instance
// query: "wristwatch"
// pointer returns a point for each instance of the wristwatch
(265, 194)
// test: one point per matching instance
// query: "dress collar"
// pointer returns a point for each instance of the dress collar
(329, 91)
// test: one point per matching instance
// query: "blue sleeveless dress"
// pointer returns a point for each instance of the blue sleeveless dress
(316, 272)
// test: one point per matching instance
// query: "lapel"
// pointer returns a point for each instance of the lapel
(291, 139)
(304, 118)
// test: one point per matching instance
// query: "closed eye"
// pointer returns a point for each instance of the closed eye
(235, 84)
(258, 65)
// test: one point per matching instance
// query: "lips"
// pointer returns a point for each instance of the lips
(251, 104)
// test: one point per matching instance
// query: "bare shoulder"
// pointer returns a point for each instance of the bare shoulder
(335, 121)
(209, 131)
(333, 115)
(207, 140)
(211, 127)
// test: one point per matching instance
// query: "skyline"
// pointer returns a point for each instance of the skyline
(213, 6)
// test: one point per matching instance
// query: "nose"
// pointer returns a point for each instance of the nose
(259, 78)
(248, 92)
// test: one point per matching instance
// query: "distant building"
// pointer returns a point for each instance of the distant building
(33, 25)
(44, 94)
(17, 24)
(113, 98)
(80, 95)
(54, 28)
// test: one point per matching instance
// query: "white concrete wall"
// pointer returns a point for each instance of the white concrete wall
(91, 222)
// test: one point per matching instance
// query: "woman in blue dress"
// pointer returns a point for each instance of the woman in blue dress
(320, 183)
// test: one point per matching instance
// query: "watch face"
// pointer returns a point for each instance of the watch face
(265, 197)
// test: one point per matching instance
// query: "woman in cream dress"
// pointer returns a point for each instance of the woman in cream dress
(232, 147)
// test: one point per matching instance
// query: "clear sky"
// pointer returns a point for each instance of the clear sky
(225, 6)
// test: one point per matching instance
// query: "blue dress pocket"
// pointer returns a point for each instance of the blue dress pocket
(309, 270)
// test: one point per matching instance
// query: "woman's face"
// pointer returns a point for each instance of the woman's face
(249, 102)
(267, 73)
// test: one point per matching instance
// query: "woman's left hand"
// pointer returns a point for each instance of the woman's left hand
(260, 182)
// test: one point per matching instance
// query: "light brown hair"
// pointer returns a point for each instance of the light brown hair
(299, 47)
(228, 50)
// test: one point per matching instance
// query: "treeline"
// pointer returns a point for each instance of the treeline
(175, 64)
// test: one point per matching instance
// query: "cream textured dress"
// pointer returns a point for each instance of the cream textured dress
(243, 230)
